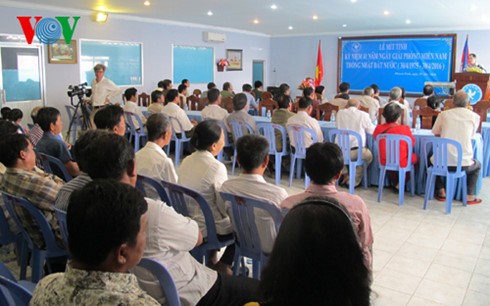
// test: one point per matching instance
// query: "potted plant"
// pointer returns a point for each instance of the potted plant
(222, 63)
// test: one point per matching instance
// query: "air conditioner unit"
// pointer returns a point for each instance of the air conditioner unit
(213, 37)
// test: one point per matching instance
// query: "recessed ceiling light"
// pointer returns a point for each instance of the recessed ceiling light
(274, 7)
(344, 25)
(290, 27)
(386, 12)
(315, 17)
(256, 21)
(408, 21)
(147, 3)
(210, 13)
(353, 1)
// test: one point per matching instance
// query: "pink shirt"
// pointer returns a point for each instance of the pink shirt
(355, 206)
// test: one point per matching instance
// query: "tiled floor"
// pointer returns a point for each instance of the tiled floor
(425, 257)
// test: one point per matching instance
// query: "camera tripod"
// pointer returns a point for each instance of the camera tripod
(83, 119)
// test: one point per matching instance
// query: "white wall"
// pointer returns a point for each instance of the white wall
(157, 39)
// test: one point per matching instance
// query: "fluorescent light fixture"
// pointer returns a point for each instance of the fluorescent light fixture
(386, 12)
(315, 17)
(256, 21)
(274, 7)
(290, 27)
(408, 21)
(101, 17)
(344, 25)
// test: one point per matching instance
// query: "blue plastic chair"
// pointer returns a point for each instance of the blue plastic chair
(164, 278)
(239, 129)
(6, 235)
(393, 163)
(440, 148)
(53, 165)
(297, 136)
(247, 234)
(38, 255)
(137, 134)
(61, 216)
(5, 272)
(343, 140)
(150, 187)
(179, 141)
(268, 130)
(178, 199)
(13, 294)
(228, 143)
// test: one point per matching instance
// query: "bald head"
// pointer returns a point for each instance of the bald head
(353, 102)
(461, 98)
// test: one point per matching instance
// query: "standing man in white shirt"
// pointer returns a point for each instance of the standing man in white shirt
(303, 118)
(151, 159)
(130, 106)
(172, 109)
(460, 124)
(104, 91)
(253, 157)
(396, 97)
(358, 121)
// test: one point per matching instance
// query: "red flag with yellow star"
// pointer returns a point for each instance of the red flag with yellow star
(319, 66)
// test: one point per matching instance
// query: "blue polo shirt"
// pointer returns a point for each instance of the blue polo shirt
(52, 145)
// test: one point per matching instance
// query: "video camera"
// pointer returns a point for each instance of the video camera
(77, 90)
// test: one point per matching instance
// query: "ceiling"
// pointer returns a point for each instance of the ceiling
(292, 17)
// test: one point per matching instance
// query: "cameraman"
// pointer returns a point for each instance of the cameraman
(103, 90)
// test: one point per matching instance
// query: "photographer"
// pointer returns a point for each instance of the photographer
(103, 89)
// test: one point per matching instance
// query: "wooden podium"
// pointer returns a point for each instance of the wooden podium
(480, 79)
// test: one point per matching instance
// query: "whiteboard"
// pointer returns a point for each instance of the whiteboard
(193, 63)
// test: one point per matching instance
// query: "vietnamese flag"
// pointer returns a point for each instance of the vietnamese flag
(464, 56)
(319, 66)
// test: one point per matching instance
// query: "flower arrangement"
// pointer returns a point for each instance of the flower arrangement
(308, 82)
(474, 69)
(223, 62)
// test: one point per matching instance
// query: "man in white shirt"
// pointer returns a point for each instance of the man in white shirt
(358, 121)
(130, 106)
(368, 100)
(173, 110)
(396, 97)
(104, 91)
(157, 101)
(253, 106)
(151, 159)
(240, 113)
(182, 89)
(303, 118)
(213, 110)
(460, 124)
(253, 157)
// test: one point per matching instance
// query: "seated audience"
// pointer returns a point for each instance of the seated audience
(209, 86)
(284, 90)
(172, 109)
(258, 90)
(309, 93)
(324, 164)
(111, 118)
(227, 90)
(460, 124)
(391, 113)
(240, 112)
(396, 97)
(201, 171)
(15, 116)
(377, 96)
(101, 255)
(358, 121)
(340, 100)
(182, 89)
(320, 94)
(157, 102)
(187, 84)
(368, 100)
(5, 112)
(316, 259)
(165, 85)
(36, 132)
(131, 95)
(22, 179)
(253, 157)
(303, 118)
(49, 120)
(403, 100)
(213, 110)
(253, 106)
(80, 153)
(428, 91)
(151, 159)
(281, 117)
